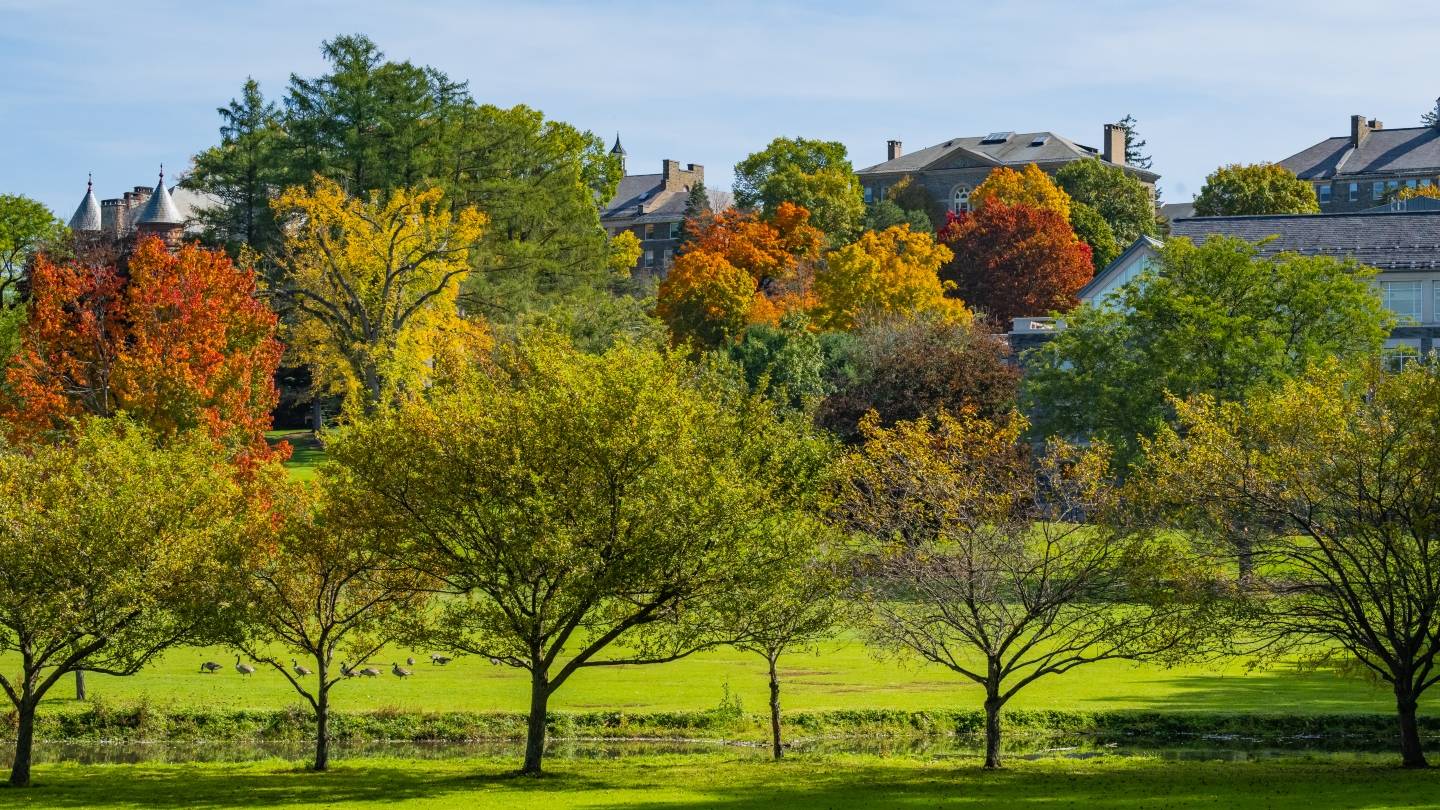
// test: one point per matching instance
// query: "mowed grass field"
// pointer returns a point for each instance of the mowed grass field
(731, 781)
(844, 674)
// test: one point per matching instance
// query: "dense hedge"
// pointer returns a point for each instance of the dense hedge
(134, 723)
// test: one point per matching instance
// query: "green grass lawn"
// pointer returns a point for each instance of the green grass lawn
(306, 452)
(843, 675)
(741, 780)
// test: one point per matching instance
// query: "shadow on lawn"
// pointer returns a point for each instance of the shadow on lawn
(1282, 689)
(141, 786)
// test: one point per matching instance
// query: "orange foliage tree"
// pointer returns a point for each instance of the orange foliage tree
(177, 341)
(1014, 261)
(740, 269)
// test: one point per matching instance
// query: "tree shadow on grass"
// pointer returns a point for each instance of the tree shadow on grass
(1308, 786)
(1278, 690)
(239, 786)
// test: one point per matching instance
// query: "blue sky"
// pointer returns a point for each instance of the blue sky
(118, 88)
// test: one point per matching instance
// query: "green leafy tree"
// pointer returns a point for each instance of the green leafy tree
(109, 555)
(815, 175)
(888, 213)
(912, 196)
(26, 227)
(1431, 118)
(584, 509)
(1344, 464)
(1000, 567)
(785, 361)
(1093, 230)
(1259, 188)
(791, 609)
(1126, 204)
(321, 587)
(1134, 144)
(245, 172)
(537, 181)
(1219, 319)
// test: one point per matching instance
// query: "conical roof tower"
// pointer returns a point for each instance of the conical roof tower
(159, 212)
(87, 216)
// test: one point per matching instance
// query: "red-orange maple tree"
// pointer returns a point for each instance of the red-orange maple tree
(739, 269)
(1013, 261)
(176, 340)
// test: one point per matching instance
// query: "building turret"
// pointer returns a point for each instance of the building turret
(160, 217)
(86, 219)
(617, 149)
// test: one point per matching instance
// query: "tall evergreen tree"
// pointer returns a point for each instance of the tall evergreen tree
(243, 172)
(1134, 144)
(697, 206)
(1432, 117)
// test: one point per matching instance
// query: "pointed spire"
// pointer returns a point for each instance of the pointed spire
(617, 149)
(160, 209)
(87, 216)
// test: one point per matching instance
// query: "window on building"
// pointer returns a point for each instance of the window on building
(1392, 186)
(1403, 299)
(669, 257)
(650, 230)
(649, 258)
(1354, 192)
(1424, 182)
(1324, 193)
(1410, 183)
(1377, 190)
(674, 230)
(960, 200)
(869, 195)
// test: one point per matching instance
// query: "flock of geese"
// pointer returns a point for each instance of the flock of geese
(301, 671)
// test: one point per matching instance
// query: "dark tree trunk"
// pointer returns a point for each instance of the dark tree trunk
(535, 725)
(322, 726)
(1412, 755)
(24, 742)
(79, 684)
(992, 728)
(776, 750)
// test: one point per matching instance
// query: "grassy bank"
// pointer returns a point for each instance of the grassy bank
(741, 780)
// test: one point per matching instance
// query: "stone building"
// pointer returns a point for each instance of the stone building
(653, 206)
(950, 171)
(169, 213)
(1369, 166)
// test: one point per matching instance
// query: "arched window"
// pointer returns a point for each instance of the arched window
(960, 200)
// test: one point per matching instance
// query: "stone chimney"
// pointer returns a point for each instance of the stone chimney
(1114, 151)
(674, 178)
(892, 150)
(1360, 129)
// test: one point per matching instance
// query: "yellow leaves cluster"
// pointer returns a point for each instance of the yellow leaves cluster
(375, 284)
(1030, 186)
(893, 272)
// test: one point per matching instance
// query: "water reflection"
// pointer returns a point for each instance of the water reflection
(1225, 748)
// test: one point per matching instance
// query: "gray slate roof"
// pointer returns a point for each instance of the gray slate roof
(1014, 151)
(1408, 240)
(87, 215)
(159, 209)
(1383, 151)
(636, 190)
(1178, 210)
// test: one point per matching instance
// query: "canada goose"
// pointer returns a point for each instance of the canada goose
(243, 669)
(494, 662)
(346, 671)
(410, 662)
(209, 667)
(370, 672)
(302, 671)
(436, 659)
(399, 671)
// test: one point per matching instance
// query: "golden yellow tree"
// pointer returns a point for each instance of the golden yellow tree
(1030, 187)
(893, 272)
(373, 286)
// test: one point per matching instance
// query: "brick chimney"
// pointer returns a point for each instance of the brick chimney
(1114, 151)
(892, 150)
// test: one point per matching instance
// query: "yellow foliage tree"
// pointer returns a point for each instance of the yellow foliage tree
(1029, 186)
(893, 272)
(373, 285)
(624, 252)
(1409, 193)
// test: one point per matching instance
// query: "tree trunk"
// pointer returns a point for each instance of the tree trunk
(535, 726)
(775, 747)
(322, 726)
(79, 684)
(992, 729)
(24, 743)
(1411, 753)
